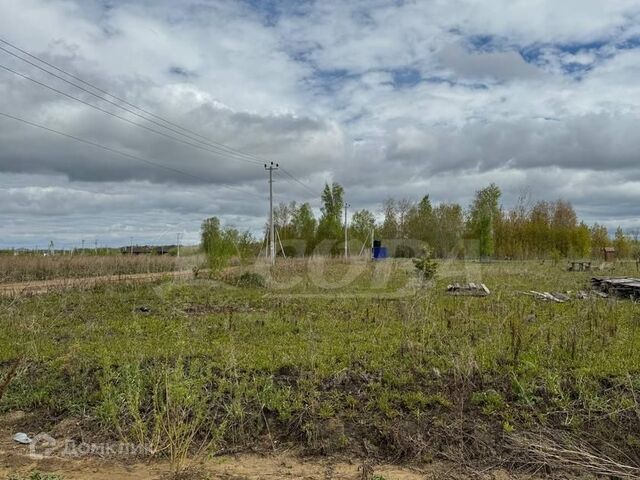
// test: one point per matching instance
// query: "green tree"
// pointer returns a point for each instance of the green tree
(304, 225)
(420, 223)
(389, 228)
(221, 244)
(330, 225)
(582, 241)
(483, 214)
(599, 239)
(283, 217)
(403, 209)
(362, 224)
(209, 233)
(449, 226)
(563, 226)
(621, 244)
(538, 230)
(510, 231)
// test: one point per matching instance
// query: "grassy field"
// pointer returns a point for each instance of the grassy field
(357, 359)
(26, 268)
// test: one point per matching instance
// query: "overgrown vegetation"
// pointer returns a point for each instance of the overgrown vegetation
(485, 229)
(35, 476)
(370, 368)
(425, 266)
(23, 268)
(220, 244)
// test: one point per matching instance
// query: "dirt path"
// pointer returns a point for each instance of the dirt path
(237, 467)
(44, 286)
(77, 463)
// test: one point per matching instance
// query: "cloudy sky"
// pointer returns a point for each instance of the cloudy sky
(389, 98)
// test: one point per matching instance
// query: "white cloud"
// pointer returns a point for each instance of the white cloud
(448, 96)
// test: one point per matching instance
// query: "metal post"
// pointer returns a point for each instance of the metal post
(272, 244)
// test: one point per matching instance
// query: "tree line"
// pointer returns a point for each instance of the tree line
(485, 228)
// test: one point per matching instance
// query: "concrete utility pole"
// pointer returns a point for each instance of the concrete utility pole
(272, 243)
(346, 232)
(373, 233)
(178, 236)
(130, 245)
(83, 246)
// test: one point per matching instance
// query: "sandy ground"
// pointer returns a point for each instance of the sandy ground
(44, 286)
(283, 463)
(16, 458)
(237, 467)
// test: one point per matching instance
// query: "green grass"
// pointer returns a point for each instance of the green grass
(413, 371)
(35, 476)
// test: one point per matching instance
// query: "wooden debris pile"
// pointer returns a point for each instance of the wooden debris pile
(468, 289)
(553, 297)
(582, 295)
(559, 297)
(579, 267)
(621, 287)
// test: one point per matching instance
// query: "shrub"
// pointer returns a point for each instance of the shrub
(251, 280)
(556, 256)
(490, 400)
(425, 266)
(223, 244)
(35, 476)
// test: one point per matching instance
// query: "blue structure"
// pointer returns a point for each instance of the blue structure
(378, 252)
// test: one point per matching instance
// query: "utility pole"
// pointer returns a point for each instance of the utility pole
(272, 244)
(346, 232)
(373, 242)
(83, 246)
(178, 237)
(130, 245)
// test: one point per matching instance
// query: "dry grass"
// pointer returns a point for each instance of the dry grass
(555, 450)
(23, 268)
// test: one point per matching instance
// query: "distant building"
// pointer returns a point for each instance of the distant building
(147, 250)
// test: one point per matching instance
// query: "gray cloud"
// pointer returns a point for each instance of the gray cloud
(598, 142)
(499, 66)
(380, 96)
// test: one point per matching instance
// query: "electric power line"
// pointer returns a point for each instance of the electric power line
(228, 151)
(119, 152)
(235, 154)
(299, 181)
(210, 142)
(115, 115)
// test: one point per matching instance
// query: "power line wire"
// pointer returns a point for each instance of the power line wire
(206, 141)
(236, 154)
(115, 115)
(119, 152)
(286, 172)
